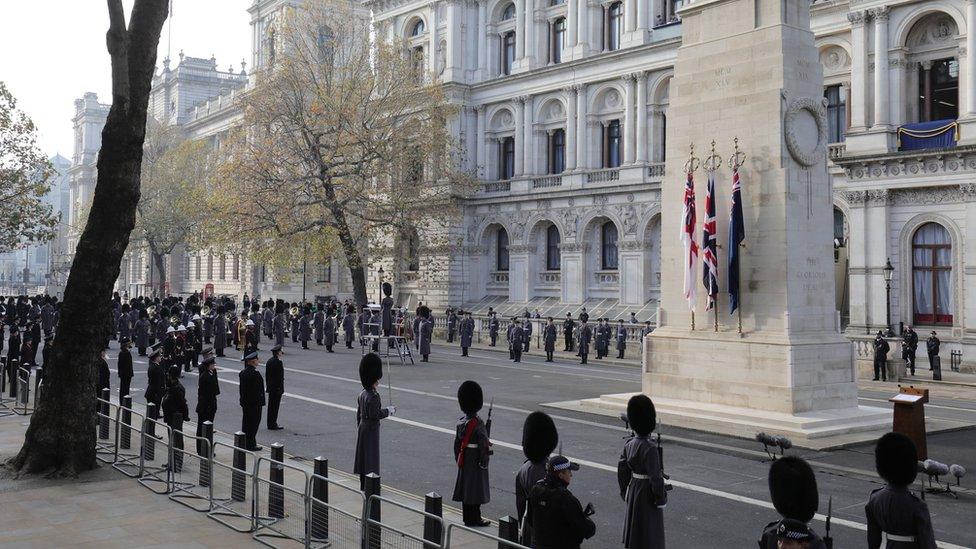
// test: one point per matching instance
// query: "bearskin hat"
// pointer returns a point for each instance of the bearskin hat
(424, 311)
(387, 289)
(470, 397)
(255, 307)
(584, 317)
(125, 308)
(896, 459)
(370, 369)
(143, 314)
(279, 308)
(539, 436)
(793, 488)
(641, 414)
(220, 310)
(164, 312)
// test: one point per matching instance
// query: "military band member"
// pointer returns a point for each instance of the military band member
(621, 338)
(539, 439)
(349, 326)
(267, 319)
(294, 323)
(641, 479)
(557, 518)
(208, 325)
(493, 329)
(329, 329)
(527, 336)
(256, 318)
(549, 339)
(156, 375)
(466, 332)
(208, 387)
(250, 337)
(251, 400)
(180, 352)
(471, 453)
(193, 346)
(793, 490)
(305, 327)
(124, 367)
(220, 331)
(318, 325)
(369, 412)
(426, 333)
(275, 372)
(896, 518)
(141, 332)
(568, 326)
(279, 324)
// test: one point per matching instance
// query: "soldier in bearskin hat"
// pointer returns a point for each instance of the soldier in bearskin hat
(386, 316)
(220, 331)
(426, 332)
(793, 489)
(349, 325)
(641, 479)
(539, 439)
(896, 517)
(471, 451)
(369, 412)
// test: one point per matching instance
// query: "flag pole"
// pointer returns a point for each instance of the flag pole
(711, 165)
(691, 166)
(736, 161)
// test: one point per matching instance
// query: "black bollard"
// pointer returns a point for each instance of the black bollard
(320, 499)
(507, 530)
(276, 474)
(3, 374)
(37, 384)
(433, 529)
(206, 474)
(238, 482)
(103, 409)
(373, 532)
(149, 433)
(125, 434)
(176, 442)
(12, 366)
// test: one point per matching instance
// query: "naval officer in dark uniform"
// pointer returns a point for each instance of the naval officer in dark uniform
(208, 387)
(369, 412)
(274, 370)
(466, 332)
(251, 400)
(896, 518)
(471, 451)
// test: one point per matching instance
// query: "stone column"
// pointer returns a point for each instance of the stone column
(519, 280)
(630, 15)
(481, 144)
(530, 45)
(642, 16)
(641, 140)
(927, 90)
(529, 164)
(581, 137)
(583, 20)
(482, 32)
(896, 70)
(970, 89)
(859, 67)
(453, 60)
(571, 128)
(881, 107)
(629, 100)
(519, 30)
(573, 258)
(519, 134)
(572, 22)
(435, 40)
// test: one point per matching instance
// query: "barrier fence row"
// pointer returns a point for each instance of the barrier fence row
(20, 387)
(278, 503)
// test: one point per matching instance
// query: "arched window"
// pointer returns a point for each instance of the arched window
(506, 158)
(611, 144)
(508, 13)
(614, 26)
(557, 151)
(418, 28)
(552, 248)
(508, 52)
(932, 275)
(608, 246)
(501, 260)
(557, 39)
(413, 251)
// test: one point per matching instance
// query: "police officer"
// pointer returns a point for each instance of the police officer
(881, 349)
(793, 490)
(124, 366)
(466, 332)
(208, 387)
(251, 400)
(471, 451)
(549, 339)
(556, 517)
(493, 328)
(585, 334)
(539, 439)
(895, 517)
(527, 336)
(621, 338)
(369, 412)
(518, 340)
(568, 326)
(932, 348)
(275, 371)
(641, 479)
(156, 375)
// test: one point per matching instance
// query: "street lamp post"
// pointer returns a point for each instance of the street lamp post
(380, 298)
(889, 272)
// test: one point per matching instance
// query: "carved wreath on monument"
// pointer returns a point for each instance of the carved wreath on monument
(805, 148)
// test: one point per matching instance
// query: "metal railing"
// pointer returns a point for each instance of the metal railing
(193, 479)
(332, 523)
(502, 543)
(107, 430)
(155, 464)
(380, 535)
(284, 513)
(232, 501)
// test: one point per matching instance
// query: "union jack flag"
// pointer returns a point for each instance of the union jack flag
(688, 241)
(710, 246)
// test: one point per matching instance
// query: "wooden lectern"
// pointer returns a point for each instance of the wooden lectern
(909, 418)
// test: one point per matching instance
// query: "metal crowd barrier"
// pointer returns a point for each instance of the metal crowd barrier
(131, 443)
(193, 471)
(280, 508)
(453, 528)
(232, 500)
(332, 524)
(107, 429)
(23, 405)
(156, 464)
(380, 535)
(8, 399)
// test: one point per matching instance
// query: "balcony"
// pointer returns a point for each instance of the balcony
(498, 280)
(836, 150)
(547, 181)
(550, 278)
(603, 176)
(496, 186)
(607, 278)
(938, 134)
(656, 170)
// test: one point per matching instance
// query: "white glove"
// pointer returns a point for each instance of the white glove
(391, 410)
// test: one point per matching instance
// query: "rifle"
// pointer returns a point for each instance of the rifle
(829, 541)
(491, 405)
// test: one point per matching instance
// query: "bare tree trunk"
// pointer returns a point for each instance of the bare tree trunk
(159, 261)
(61, 435)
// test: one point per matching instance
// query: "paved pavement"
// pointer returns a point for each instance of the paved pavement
(720, 482)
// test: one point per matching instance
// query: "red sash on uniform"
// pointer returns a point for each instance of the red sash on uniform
(468, 433)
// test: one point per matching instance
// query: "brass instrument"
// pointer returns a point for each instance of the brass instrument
(174, 320)
(151, 310)
(205, 311)
(293, 311)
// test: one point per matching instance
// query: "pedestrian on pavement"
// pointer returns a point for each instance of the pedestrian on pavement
(156, 375)
(369, 412)
(549, 339)
(527, 338)
(895, 516)
(909, 345)
(493, 328)
(585, 334)
(471, 453)
(641, 479)
(881, 349)
(556, 517)
(208, 387)
(568, 326)
(426, 332)
(251, 400)
(275, 372)
(124, 366)
(539, 439)
(349, 325)
(518, 340)
(793, 490)
(932, 347)
(466, 332)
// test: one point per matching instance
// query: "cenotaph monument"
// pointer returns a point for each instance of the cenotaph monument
(749, 69)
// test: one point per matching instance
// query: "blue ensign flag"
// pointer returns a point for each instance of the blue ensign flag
(737, 233)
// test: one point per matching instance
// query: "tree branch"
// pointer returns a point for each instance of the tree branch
(117, 40)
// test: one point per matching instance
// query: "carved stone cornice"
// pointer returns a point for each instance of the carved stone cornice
(631, 245)
(959, 160)
(880, 15)
(871, 197)
(519, 248)
(857, 18)
(574, 247)
(950, 194)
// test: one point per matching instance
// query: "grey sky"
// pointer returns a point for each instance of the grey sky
(53, 51)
